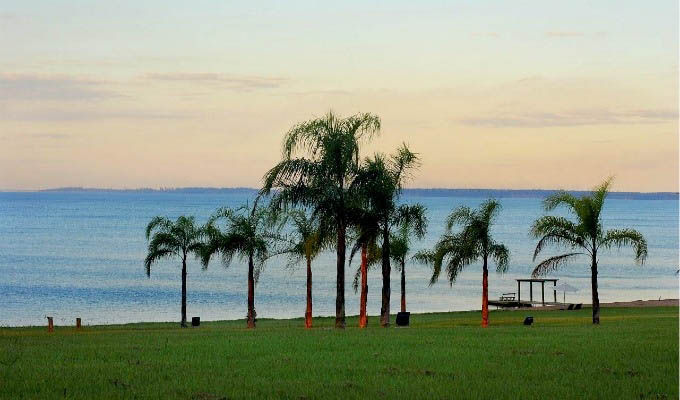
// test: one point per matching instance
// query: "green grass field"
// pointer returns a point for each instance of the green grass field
(632, 355)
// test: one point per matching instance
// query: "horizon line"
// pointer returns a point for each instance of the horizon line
(180, 188)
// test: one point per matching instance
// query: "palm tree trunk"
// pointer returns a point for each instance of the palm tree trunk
(385, 309)
(251, 292)
(363, 320)
(485, 294)
(403, 286)
(596, 297)
(340, 282)
(308, 311)
(184, 292)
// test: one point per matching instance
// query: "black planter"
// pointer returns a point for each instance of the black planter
(195, 321)
(403, 318)
(528, 321)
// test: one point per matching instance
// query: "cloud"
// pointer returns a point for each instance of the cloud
(573, 118)
(572, 34)
(51, 87)
(53, 114)
(48, 136)
(321, 92)
(564, 34)
(233, 82)
(51, 136)
(485, 34)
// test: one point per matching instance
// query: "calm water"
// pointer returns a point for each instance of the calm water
(81, 254)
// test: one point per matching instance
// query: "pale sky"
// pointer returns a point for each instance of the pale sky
(516, 94)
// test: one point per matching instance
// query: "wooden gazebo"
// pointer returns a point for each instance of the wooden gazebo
(531, 281)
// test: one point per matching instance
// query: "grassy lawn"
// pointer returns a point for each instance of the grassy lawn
(632, 355)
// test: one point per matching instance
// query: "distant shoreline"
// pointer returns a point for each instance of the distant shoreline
(422, 192)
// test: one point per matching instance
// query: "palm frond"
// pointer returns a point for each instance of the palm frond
(427, 257)
(154, 256)
(552, 264)
(402, 163)
(600, 194)
(460, 216)
(412, 218)
(558, 231)
(501, 256)
(162, 223)
(560, 198)
(626, 237)
(488, 211)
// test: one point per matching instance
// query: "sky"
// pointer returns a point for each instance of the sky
(512, 95)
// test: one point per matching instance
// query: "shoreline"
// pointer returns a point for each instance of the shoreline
(616, 304)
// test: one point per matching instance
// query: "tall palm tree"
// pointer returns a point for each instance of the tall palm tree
(474, 241)
(385, 176)
(249, 234)
(173, 239)
(585, 236)
(320, 160)
(309, 239)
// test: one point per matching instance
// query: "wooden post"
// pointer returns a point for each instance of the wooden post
(519, 295)
(531, 290)
(555, 291)
(50, 324)
(543, 293)
(78, 323)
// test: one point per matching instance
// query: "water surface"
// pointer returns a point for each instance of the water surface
(69, 254)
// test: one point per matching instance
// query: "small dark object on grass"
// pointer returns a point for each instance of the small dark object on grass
(403, 318)
(578, 306)
(195, 321)
(528, 321)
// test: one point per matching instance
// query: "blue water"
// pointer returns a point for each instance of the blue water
(69, 254)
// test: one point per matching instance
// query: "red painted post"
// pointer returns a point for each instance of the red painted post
(78, 323)
(50, 325)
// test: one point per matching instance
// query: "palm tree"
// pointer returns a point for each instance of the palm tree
(411, 220)
(474, 241)
(173, 239)
(384, 177)
(249, 234)
(585, 236)
(320, 160)
(309, 239)
(364, 220)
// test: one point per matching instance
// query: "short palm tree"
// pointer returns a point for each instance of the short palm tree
(320, 160)
(455, 251)
(366, 231)
(249, 234)
(585, 236)
(411, 221)
(173, 239)
(309, 238)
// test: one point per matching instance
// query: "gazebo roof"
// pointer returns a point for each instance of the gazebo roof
(537, 280)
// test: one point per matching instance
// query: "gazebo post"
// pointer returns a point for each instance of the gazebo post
(543, 293)
(554, 290)
(531, 290)
(519, 296)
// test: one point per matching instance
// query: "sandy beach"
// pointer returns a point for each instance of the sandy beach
(643, 303)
